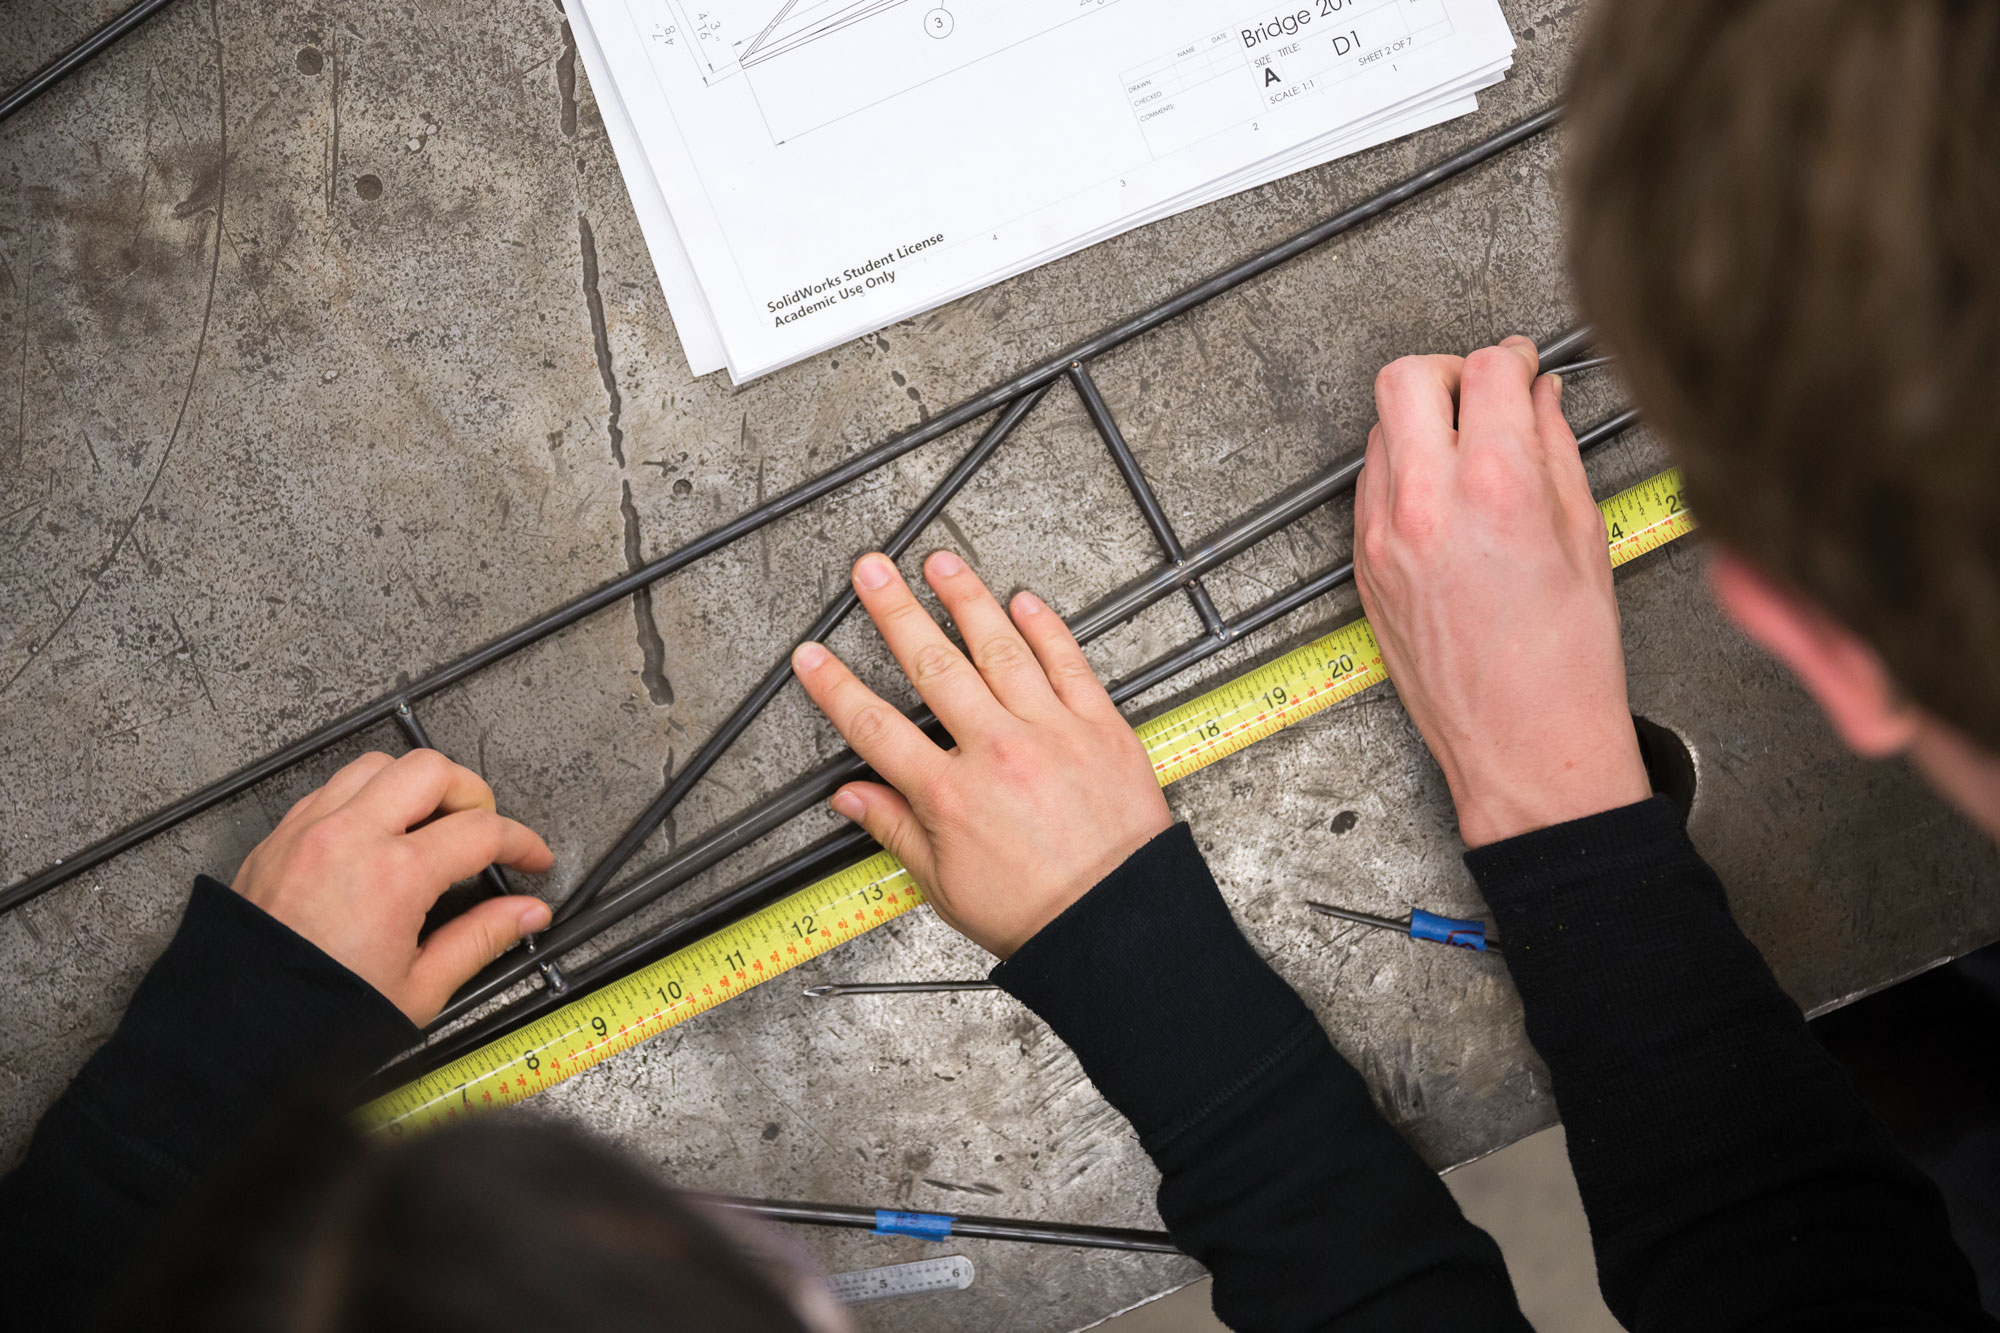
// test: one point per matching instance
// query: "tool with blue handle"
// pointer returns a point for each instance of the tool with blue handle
(1421, 926)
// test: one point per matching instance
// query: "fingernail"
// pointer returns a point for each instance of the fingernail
(535, 918)
(1027, 604)
(808, 656)
(874, 572)
(946, 565)
(1557, 380)
(847, 804)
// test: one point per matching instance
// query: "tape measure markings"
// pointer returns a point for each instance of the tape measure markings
(828, 913)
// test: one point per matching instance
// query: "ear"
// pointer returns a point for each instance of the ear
(1837, 668)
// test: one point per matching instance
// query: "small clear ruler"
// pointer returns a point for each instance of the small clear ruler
(954, 1272)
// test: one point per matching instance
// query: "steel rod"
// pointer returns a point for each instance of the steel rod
(611, 908)
(768, 885)
(739, 832)
(1363, 918)
(976, 1228)
(1127, 463)
(494, 877)
(897, 988)
(405, 718)
(807, 792)
(534, 631)
(74, 59)
(774, 680)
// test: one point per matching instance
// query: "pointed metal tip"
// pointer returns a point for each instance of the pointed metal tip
(820, 992)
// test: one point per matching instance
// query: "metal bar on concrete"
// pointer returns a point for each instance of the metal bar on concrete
(534, 631)
(742, 830)
(1127, 463)
(767, 689)
(74, 59)
(494, 877)
(413, 731)
(897, 988)
(977, 1228)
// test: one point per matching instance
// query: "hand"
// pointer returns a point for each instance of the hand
(1483, 565)
(1047, 790)
(350, 869)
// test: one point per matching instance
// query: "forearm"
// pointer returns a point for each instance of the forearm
(237, 1013)
(1277, 1173)
(1731, 1177)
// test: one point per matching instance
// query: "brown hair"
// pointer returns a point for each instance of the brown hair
(1785, 219)
(503, 1224)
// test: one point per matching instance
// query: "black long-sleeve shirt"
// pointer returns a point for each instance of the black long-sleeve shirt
(1731, 1178)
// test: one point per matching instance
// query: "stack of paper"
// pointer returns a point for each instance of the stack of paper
(807, 171)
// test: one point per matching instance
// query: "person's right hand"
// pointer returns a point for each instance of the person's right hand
(1482, 563)
(1047, 790)
(355, 865)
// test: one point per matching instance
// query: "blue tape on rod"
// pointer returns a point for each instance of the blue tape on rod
(1445, 930)
(924, 1226)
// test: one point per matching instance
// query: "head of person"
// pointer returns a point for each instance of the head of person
(502, 1224)
(1785, 221)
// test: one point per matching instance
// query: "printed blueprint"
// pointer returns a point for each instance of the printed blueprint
(810, 170)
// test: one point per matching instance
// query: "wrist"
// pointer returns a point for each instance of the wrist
(1493, 807)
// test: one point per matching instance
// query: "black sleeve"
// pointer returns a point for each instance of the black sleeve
(236, 1014)
(1731, 1177)
(1276, 1171)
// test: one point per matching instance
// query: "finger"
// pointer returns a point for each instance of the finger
(456, 951)
(337, 790)
(1416, 399)
(1564, 458)
(998, 651)
(1494, 401)
(460, 845)
(415, 787)
(890, 742)
(1063, 663)
(944, 679)
(891, 822)
(1371, 488)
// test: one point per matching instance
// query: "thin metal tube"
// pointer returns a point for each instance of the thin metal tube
(1363, 918)
(897, 988)
(405, 718)
(774, 680)
(74, 59)
(739, 832)
(805, 493)
(1276, 608)
(768, 885)
(494, 877)
(1127, 463)
(975, 1228)
(813, 788)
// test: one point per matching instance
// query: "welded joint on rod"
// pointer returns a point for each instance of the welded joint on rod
(1142, 491)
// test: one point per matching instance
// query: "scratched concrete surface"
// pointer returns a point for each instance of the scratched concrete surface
(329, 348)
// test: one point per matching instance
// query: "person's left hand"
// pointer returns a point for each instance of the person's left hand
(1047, 790)
(355, 866)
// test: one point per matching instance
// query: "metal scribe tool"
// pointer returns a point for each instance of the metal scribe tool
(1419, 925)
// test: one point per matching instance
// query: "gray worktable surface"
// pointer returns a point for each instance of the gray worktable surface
(300, 390)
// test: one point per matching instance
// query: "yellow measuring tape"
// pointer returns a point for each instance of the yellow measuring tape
(827, 914)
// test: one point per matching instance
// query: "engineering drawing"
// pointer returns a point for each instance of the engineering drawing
(804, 21)
(816, 61)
